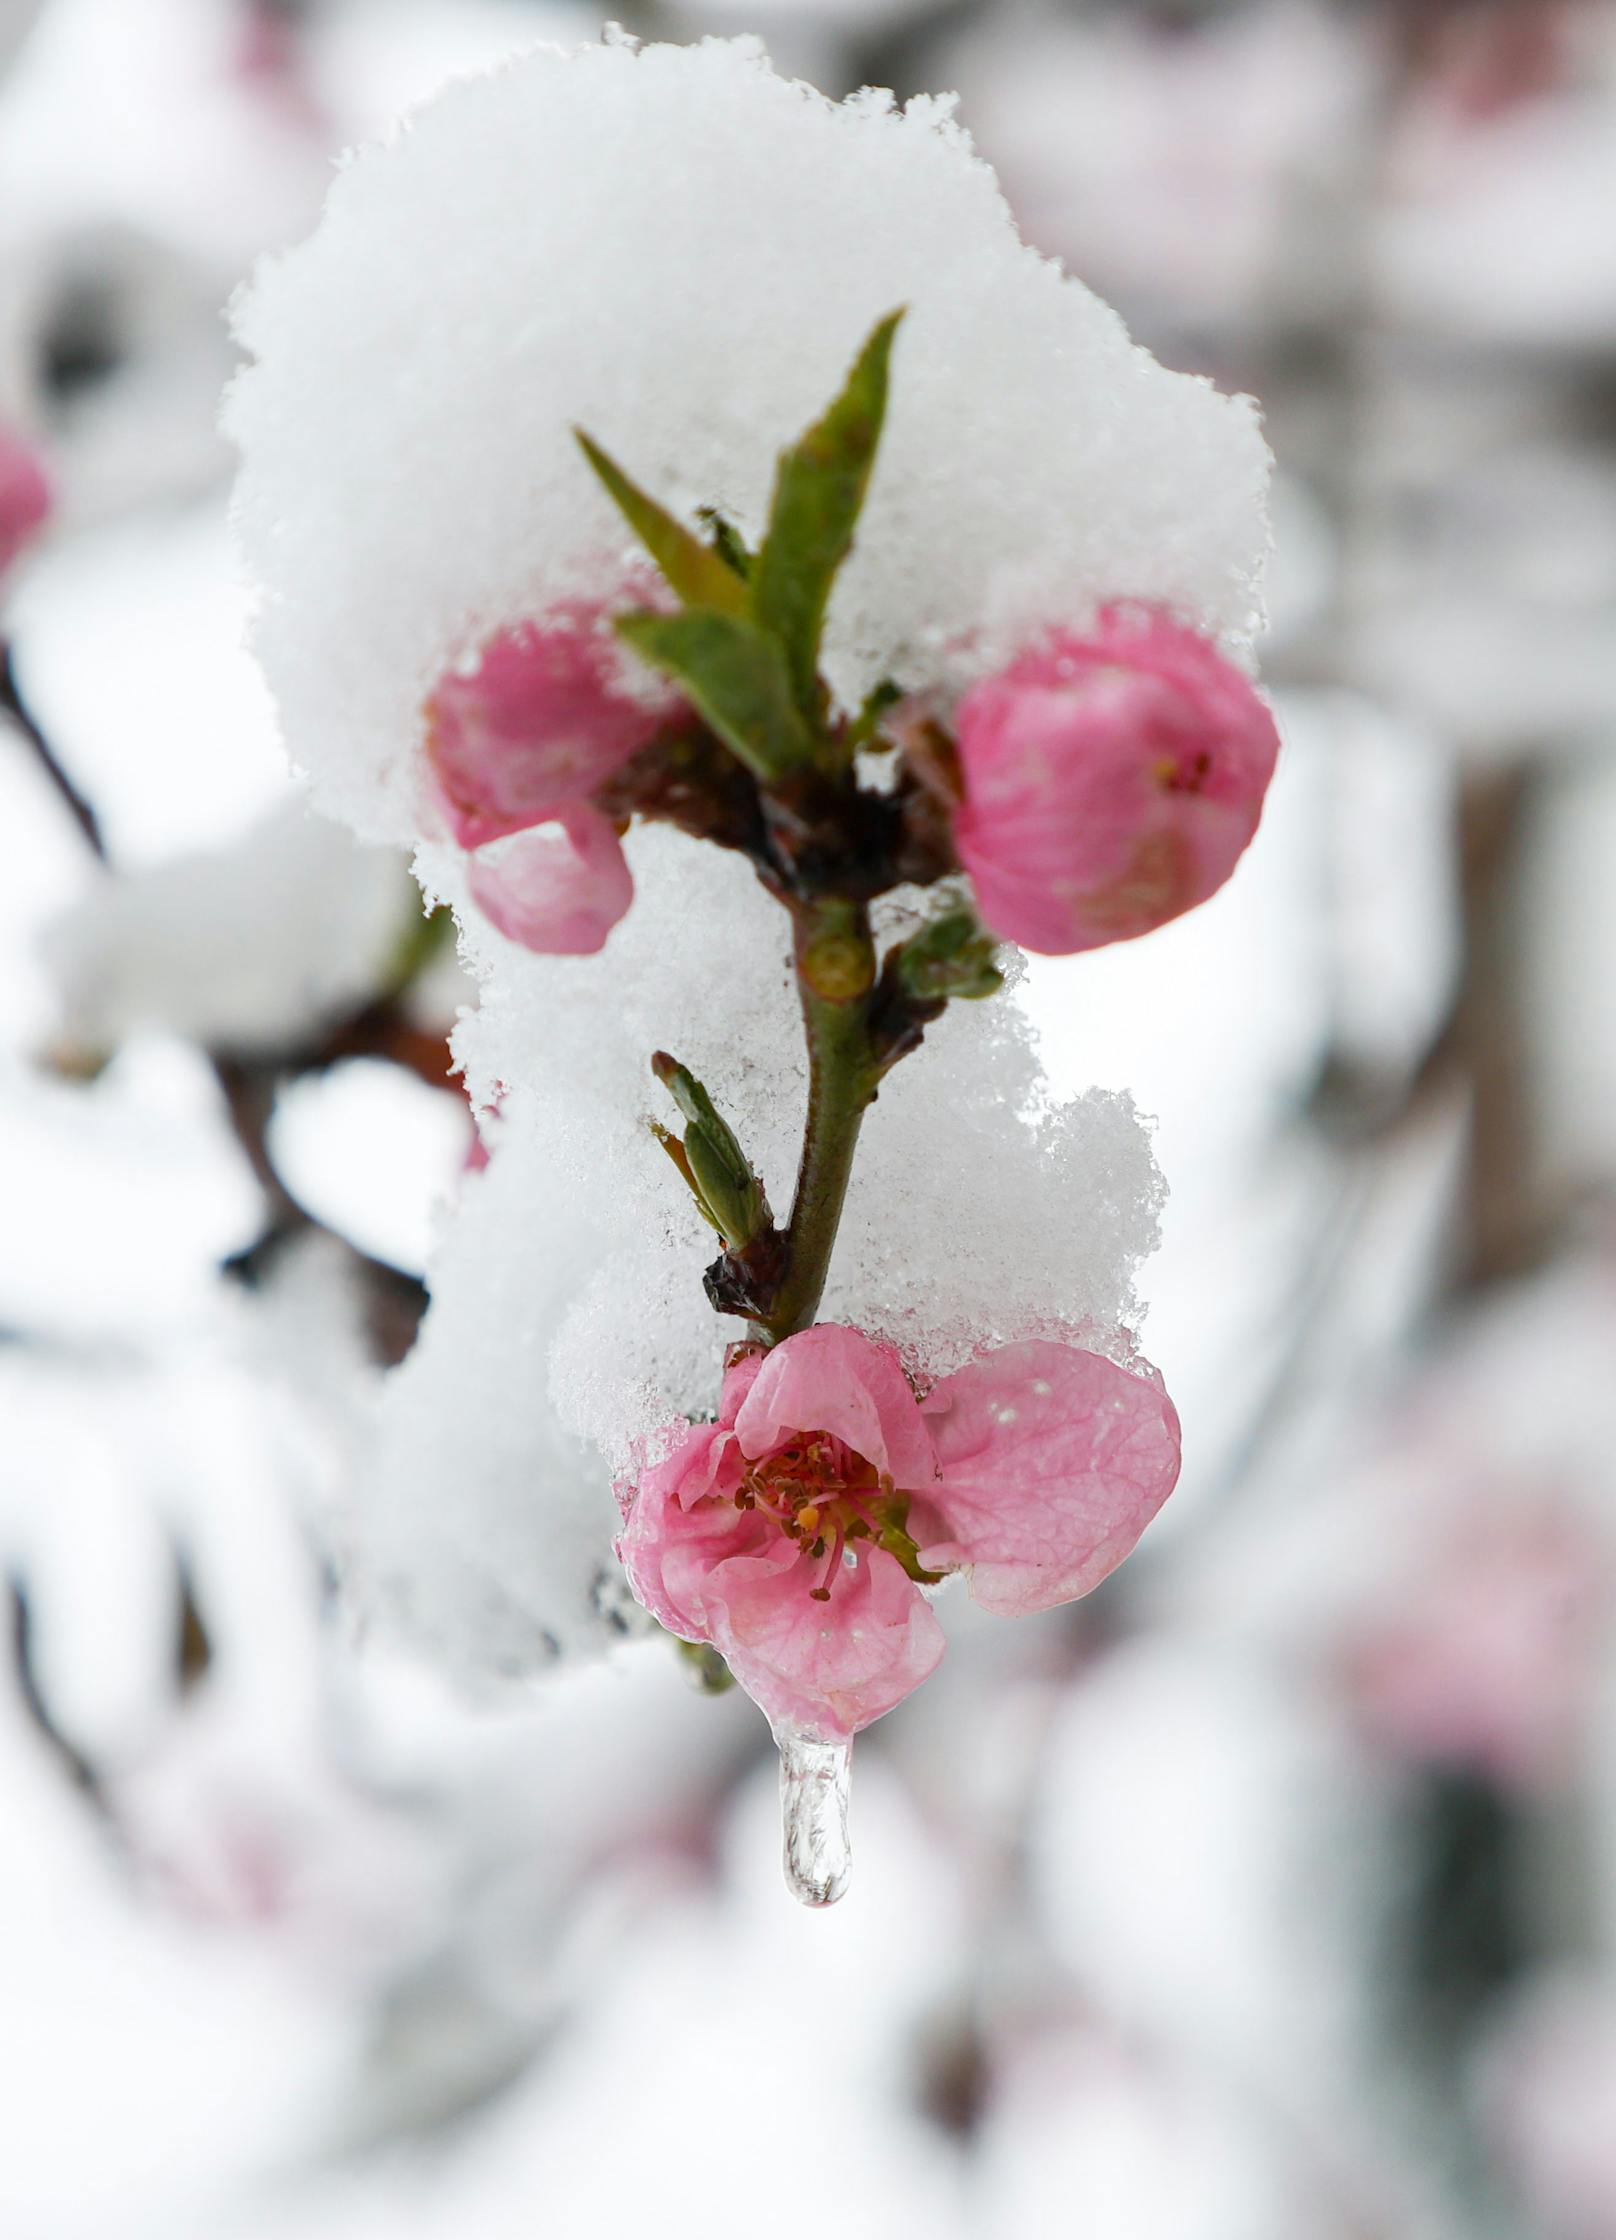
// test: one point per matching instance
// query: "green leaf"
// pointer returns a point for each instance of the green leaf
(705, 1668)
(711, 1160)
(728, 542)
(818, 494)
(674, 1146)
(736, 678)
(877, 706)
(701, 576)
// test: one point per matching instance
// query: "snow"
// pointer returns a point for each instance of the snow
(301, 925)
(682, 251)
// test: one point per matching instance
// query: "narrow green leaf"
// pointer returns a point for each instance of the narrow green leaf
(877, 706)
(736, 679)
(711, 1160)
(728, 542)
(674, 1146)
(701, 576)
(818, 494)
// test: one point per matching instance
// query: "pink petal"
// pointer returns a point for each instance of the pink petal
(739, 1379)
(834, 1379)
(673, 1535)
(821, 1669)
(25, 496)
(1054, 1460)
(536, 727)
(558, 890)
(1112, 781)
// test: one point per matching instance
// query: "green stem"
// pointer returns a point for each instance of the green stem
(833, 952)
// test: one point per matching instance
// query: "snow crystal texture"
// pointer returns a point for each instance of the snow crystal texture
(682, 252)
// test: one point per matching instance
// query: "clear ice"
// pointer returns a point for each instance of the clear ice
(815, 1781)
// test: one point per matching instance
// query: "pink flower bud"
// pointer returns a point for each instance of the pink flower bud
(537, 726)
(25, 497)
(559, 891)
(1111, 782)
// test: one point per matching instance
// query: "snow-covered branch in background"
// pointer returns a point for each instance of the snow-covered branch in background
(891, 607)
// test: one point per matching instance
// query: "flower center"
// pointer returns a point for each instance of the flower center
(1183, 773)
(823, 1494)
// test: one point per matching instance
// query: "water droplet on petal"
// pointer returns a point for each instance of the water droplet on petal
(815, 1778)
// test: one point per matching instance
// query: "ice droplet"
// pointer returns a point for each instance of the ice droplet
(815, 1778)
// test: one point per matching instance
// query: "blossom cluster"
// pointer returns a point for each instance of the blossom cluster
(930, 687)
(1102, 784)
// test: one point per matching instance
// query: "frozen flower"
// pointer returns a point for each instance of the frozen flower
(559, 889)
(1111, 781)
(25, 497)
(538, 724)
(795, 1534)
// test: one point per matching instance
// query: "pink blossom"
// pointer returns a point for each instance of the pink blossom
(796, 1533)
(560, 889)
(1111, 782)
(536, 727)
(25, 497)
(1486, 1656)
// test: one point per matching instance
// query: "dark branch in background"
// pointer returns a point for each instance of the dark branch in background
(902, 56)
(13, 705)
(249, 1082)
(22, 1658)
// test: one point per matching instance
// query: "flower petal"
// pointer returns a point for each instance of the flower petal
(25, 496)
(673, 1536)
(1112, 781)
(535, 726)
(739, 1379)
(822, 1669)
(559, 889)
(1054, 1460)
(834, 1379)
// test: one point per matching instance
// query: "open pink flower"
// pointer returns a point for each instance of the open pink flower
(536, 727)
(1111, 782)
(796, 1532)
(25, 496)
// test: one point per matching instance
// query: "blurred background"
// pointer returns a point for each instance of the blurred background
(1270, 1894)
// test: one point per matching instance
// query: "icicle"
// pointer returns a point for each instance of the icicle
(814, 1783)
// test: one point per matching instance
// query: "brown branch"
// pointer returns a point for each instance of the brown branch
(16, 707)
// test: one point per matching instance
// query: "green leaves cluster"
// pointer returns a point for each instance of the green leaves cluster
(745, 646)
(951, 956)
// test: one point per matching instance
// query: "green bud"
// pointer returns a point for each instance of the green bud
(712, 1162)
(953, 956)
(705, 1669)
(839, 966)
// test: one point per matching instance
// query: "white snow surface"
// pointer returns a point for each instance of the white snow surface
(682, 251)
(252, 947)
